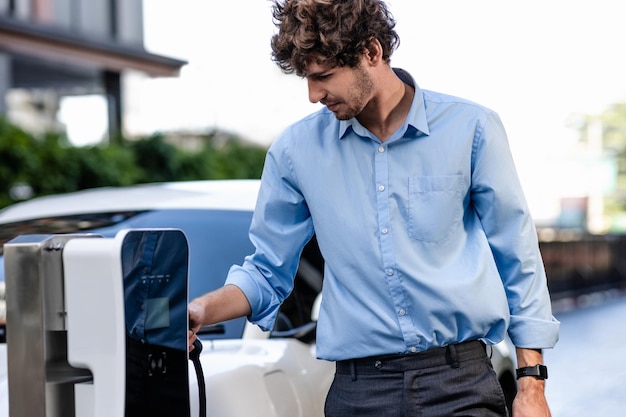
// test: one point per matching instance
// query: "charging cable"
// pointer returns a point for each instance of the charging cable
(194, 356)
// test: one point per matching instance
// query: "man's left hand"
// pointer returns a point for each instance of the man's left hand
(530, 400)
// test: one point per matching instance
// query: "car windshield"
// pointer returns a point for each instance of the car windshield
(217, 239)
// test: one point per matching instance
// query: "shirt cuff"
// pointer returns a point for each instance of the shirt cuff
(263, 302)
(533, 333)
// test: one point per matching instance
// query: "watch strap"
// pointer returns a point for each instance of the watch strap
(539, 371)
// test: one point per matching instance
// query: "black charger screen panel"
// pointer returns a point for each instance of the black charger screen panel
(155, 270)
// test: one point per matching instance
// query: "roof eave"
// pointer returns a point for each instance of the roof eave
(54, 45)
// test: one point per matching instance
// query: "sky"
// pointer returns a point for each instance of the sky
(538, 63)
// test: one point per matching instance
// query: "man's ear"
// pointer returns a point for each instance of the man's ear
(374, 52)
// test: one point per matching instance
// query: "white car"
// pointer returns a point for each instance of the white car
(247, 371)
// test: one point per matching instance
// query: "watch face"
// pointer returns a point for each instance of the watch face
(539, 371)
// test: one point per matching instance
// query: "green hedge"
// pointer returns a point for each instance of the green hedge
(50, 165)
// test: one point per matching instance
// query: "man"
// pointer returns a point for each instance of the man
(429, 247)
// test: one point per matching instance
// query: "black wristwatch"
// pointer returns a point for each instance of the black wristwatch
(539, 371)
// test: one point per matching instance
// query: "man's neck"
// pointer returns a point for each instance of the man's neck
(388, 110)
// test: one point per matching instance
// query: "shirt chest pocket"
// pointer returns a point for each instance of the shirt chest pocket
(435, 207)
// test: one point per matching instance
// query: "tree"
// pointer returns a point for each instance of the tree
(607, 132)
(50, 165)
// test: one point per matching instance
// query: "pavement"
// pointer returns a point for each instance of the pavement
(587, 368)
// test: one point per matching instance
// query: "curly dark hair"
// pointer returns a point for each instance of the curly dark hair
(337, 31)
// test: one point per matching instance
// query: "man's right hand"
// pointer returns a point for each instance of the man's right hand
(196, 320)
(225, 303)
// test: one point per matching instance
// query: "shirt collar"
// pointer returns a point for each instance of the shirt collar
(416, 119)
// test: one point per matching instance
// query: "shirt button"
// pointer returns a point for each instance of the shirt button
(402, 312)
(384, 231)
(381, 188)
(413, 349)
(381, 149)
(390, 272)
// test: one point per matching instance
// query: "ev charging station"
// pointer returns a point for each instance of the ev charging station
(97, 327)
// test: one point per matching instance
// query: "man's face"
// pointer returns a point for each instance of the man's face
(343, 90)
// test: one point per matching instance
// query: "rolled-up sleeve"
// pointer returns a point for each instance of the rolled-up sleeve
(281, 226)
(500, 203)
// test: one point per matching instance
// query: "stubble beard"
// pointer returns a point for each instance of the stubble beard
(358, 95)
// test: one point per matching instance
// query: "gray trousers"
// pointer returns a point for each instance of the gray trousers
(456, 380)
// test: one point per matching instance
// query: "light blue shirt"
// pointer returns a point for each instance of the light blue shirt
(427, 237)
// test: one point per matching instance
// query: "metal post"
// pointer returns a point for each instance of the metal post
(41, 382)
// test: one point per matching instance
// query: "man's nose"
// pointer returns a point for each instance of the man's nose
(316, 93)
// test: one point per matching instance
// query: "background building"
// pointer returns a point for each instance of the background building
(50, 49)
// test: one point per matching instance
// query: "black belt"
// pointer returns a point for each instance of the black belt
(448, 355)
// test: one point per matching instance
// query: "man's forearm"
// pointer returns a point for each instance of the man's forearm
(225, 303)
(528, 357)
(530, 400)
